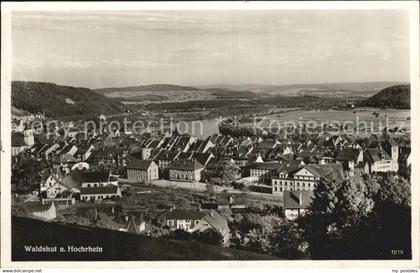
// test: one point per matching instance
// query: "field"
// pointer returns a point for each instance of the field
(152, 200)
(167, 96)
(357, 117)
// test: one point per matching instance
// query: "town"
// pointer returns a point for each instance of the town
(229, 190)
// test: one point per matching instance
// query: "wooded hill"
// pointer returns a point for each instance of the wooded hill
(60, 101)
(397, 96)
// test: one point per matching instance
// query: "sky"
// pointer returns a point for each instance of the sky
(98, 49)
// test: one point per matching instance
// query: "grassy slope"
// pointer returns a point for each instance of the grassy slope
(117, 246)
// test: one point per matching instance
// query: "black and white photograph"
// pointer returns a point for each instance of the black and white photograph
(209, 134)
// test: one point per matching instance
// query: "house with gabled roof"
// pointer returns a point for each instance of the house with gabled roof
(18, 143)
(89, 179)
(377, 160)
(296, 203)
(213, 221)
(203, 158)
(185, 219)
(164, 158)
(264, 170)
(306, 177)
(142, 170)
(220, 140)
(99, 193)
(201, 146)
(185, 170)
(349, 158)
(52, 185)
(136, 226)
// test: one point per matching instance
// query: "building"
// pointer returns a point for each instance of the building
(201, 146)
(264, 170)
(296, 203)
(203, 158)
(146, 153)
(29, 137)
(53, 187)
(142, 170)
(136, 226)
(18, 143)
(81, 181)
(213, 221)
(185, 170)
(94, 179)
(377, 160)
(349, 158)
(184, 219)
(99, 193)
(164, 158)
(306, 177)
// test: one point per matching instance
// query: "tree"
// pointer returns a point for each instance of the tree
(208, 236)
(270, 235)
(320, 220)
(393, 218)
(210, 190)
(283, 238)
(179, 234)
(336, 215)
(228, 171)
(205, 176)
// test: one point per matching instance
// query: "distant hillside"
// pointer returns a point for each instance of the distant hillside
(60, 101)
(397, 96)
(330, 89)
(151, 87)
(170, 92)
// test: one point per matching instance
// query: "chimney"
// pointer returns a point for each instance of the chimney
(300, 198)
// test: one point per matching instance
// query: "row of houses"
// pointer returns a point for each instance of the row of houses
(83, 185)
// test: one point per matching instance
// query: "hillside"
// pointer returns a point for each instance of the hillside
(397, 96)
(317, 89)
(60, 101)
(151, 87)
(116, 245)
(171, 93)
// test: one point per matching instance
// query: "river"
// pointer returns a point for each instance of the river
(199, 128)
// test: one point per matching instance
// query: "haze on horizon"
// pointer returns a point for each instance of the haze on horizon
(98, 49)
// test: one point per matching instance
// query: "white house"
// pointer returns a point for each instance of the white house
(306, 177)
(99, 193)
